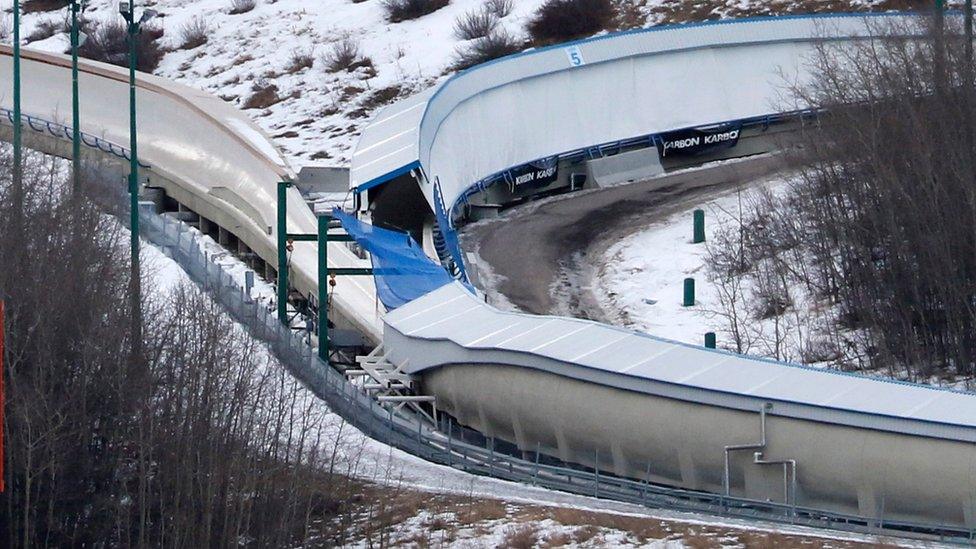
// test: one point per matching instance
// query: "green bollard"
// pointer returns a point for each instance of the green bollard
(699, 233)
(689, 299)
(709, 340)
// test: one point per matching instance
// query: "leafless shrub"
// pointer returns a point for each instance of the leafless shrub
(194, 33)
(34, 6)
(497, 44)
(300, 59)
(108, 41)
(562, 20)
(520, 537)
(264, 95)
(48, 28)
(345, 55)
(238, 7)
(5, 29)
(499, 8)
(475, 24)
(403, 10)
(381, 97)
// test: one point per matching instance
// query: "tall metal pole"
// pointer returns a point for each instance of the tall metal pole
(18, 175)
(75, 109)
(939, 46)
(135, 290)
(282, 252)
(969, 36)
(323, 323)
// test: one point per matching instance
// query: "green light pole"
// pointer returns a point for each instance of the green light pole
(18, 176)
(134, 25)
(968, 22)
(76, 6)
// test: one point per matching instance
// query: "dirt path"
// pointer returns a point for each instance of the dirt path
(543, 251)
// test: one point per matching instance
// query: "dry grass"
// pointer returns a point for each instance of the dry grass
(403, 10)
(344, 55)
(264, 96)
(194, 33)
(562, 20)
(238, 7)
(48, 28)
(520, 537)
(381, 97)
(300, 60)
(498, 43)
(32, 6)
(558, 539)
(480, 510)
(500, 8)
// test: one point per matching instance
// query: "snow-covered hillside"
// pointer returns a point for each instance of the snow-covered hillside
(279, 50)
(312, 113)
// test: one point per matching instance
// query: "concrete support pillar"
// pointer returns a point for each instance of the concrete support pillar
(969, 514)
(223, 237)
(620, 463)
(562, 444)
(870, 504)
(520, 439)
(689, 473)
(205, 225)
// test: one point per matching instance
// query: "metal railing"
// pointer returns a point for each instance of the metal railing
(60, 131)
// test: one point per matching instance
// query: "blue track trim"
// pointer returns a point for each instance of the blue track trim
(61, 131)
(387, 177)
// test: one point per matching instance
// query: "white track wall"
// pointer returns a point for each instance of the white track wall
(583, 391)
(207, 155)
(534, 105)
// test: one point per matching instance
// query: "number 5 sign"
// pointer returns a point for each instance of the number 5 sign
(575, 56)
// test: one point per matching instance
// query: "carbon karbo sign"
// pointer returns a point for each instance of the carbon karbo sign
(536, 174)
(697, 140)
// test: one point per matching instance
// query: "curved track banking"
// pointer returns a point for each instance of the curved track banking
(565, 234)
(207, 155)
(626, 403)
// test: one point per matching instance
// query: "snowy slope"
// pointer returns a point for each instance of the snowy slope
(320, 113)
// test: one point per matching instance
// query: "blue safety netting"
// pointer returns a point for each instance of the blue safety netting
(402, 270)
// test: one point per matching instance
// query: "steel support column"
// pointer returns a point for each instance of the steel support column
(282, 235)
(323, 286)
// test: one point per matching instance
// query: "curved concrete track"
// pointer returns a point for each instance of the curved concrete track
(624, 402)
(561, 233)
(207, 155)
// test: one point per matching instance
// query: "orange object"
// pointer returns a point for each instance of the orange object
(2, 404)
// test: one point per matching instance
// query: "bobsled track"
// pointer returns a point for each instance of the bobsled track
(559, 402)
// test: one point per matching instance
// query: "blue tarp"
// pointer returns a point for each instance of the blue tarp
(402, 270)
